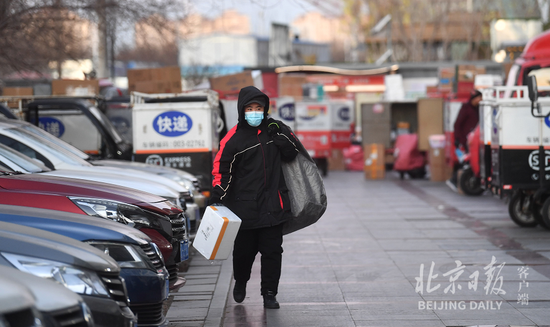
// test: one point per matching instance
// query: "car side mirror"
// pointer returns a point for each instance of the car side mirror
(532, 86)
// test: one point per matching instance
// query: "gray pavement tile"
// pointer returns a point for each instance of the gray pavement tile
(279, 318)
(539, 316)
(483, 257)
(306, 293)
(178, 310)
(201, 281)
(462, 234)
(381, 234)
(388, 322)
(308, 273)
(191, 304)
(186, 323)
(471, 244)
(378, 289)
(191, 276)
(410, 245)
(200, 288)
(396, 311)
(443, 223)
(367, 273)
(188, 297)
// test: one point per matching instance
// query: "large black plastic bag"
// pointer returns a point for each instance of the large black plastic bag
(308, 199)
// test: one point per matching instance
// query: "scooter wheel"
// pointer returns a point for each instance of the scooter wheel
(544, 217)
(519, 209)
(469, 183)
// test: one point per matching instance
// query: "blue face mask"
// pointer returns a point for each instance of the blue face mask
(254, 118)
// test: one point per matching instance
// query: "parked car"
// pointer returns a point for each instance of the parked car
(177, 175)
(195, 202)
(79, 267)
(154, 216)
(26, 301)
(140, 260)
(16, 134)
(195, 198)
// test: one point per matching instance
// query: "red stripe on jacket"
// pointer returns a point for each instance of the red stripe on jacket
(216, 169)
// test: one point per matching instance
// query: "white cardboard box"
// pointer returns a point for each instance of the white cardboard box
(216, 233)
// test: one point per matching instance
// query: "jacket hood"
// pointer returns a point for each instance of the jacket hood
(246, 94)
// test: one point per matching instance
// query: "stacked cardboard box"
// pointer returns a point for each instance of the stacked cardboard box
(336, 160)
(375, 123)
(430, 120)
(75, 87)
(374, 161)
(292, 85)
(16, 91)
(155, 80)
(436, 158)
(446, 78)
(232, 83)
(467, 73)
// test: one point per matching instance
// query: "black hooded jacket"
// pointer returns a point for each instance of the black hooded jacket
(247, 175)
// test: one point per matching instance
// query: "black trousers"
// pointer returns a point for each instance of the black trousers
(268, 241)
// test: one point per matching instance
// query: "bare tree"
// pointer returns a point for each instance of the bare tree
(35, 32)
(423, 30)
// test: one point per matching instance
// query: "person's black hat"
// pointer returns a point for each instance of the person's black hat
(474, 94)
(259, 100)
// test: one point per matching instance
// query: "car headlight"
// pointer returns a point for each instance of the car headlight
(118, 211)
(125, 255)
(158, 252)
(180, 180)
(77, 280)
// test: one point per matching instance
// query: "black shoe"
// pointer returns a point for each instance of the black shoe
(270, 302)
(239, 291)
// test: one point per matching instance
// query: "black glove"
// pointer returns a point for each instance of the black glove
(273, 127)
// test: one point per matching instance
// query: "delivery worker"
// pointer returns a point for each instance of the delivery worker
(248, 179)
(466, 121)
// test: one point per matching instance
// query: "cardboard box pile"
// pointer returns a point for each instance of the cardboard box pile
(336, 160)
(375, 167)
(291, 85)
(75, 87)
(430, 120)
(216, 233)
(375, 122)
(155, 80)
(467, 73)
(446, 78)
(436, 158)
(232, 83)
(16, 91)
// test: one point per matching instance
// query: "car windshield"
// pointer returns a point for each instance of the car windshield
(45, 135)
(4, 168)
(44, 145)
(542, 75)
(107, 123)
(21, 160)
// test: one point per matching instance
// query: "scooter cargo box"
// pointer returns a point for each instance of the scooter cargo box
(216, 233)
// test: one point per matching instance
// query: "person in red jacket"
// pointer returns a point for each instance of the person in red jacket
(248, 179)
(466, 121)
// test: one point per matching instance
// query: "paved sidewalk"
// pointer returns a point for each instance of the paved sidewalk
(360, 265)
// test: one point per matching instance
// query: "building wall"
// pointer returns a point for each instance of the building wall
(214, 50)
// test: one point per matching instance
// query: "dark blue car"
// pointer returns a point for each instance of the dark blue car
(140, 261)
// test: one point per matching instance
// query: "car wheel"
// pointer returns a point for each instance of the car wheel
(469, 183)
(520, 212)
